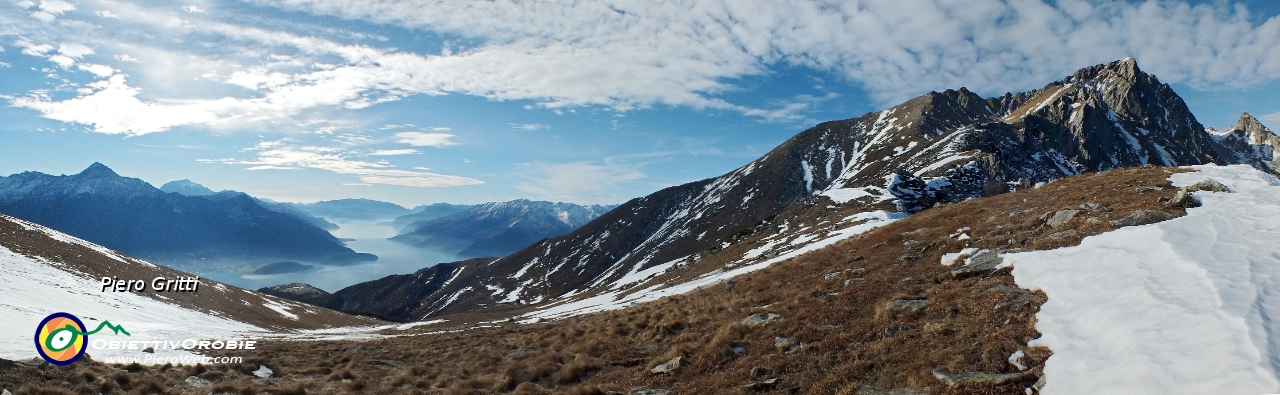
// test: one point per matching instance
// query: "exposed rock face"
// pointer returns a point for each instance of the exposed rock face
(940, 147)
(1251, 142)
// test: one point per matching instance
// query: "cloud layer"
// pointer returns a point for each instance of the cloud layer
(285, 154)
(620, 55)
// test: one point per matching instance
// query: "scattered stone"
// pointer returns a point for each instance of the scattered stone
(873, 390)
(149, 350)
(1062, 234)
(764, 385)
(957, 380)
(910, 256)
(667, 367)
(829, 276)
(782, 342)
(729, 286)
(1004, 288)
(1090, 206)
(862, 271)
(908, 304)
(526, 350)
(982, 262)
(1058, 218)
(761, 319)
(1208, 185)
(1016, 213)
(649, 391)
(1093, 220)
(853, 280)
(262, 372)
(1142, 217)
(191, 381)
(1148, 189)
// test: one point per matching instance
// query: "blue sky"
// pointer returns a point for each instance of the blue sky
(416, 102)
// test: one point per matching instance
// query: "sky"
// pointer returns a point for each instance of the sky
(591, 102)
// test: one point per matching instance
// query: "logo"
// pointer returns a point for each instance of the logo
(61, 338)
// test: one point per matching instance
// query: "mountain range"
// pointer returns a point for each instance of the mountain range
(496, 229)
(826, 182)
(132, 216)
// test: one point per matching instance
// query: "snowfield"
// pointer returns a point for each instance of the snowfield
(1177, 307)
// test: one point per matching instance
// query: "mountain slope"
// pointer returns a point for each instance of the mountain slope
(48, 271)
(129, 215)
(186, 188)
(497, 229)
(405, 223)
(936, 148)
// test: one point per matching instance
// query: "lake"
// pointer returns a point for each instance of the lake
(361, 236)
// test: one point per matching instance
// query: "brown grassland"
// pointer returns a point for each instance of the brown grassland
(840, 331)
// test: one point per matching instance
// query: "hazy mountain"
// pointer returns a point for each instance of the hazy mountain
(497, 229)
(936, 148)
(130, 215)
(186, 188)
(357, 209)
(408, 222)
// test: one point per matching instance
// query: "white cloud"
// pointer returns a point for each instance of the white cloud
(193, 9)
(106, 14)
(56, 6)
(75, 50)
(126, 58)
(419, 139)
(529, 126)
(578, 182)
(97, 69)
(284, 154)
(633, 54)
(389, 152)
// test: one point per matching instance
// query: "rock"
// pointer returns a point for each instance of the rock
(1016, 213)
(262, 372)
(1208, 185)
(649, 391)
(908, 304)
(957, 380)
(983, 261)
(193, 381)
(521, 351)
(858, 272)
(1059, 218)
(782, 342)
(729, 286)
(873, 390)
(667, 367)
(1093, 220)
(1182, 199)
(149, 350)
(1039, 384)
(1092, 206)
(1062, 234)
(829, 276)
(1142, 217)
(761, 319)
(763, 385)
(1148, 189)
(910, 256)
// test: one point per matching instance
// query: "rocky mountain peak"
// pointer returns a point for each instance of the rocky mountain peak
(98, 170)
(1252, 126)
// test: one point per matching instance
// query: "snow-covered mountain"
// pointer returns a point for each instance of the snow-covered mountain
(405, 223)
(48, 271)
(1252, 142)
(850, 174)
(498, 229)
(130, 215)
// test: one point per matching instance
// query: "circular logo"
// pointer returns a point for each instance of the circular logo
(61, 339)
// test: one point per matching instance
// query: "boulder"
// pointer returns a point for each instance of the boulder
(667, 367)
(957, 380)
(908, 304)
(984, 261)
(1062, 235)
(1059, 218)
(761, 319)
(1208, 185)
(193, 381)
(1142, 217)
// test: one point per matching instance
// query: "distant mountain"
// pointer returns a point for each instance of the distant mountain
(940, 147)
(498, 229)
(130, 215)
(186, 188)
(357, 209)
(396, 297)
(408, 222)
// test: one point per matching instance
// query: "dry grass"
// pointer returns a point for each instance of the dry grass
(838, 332)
